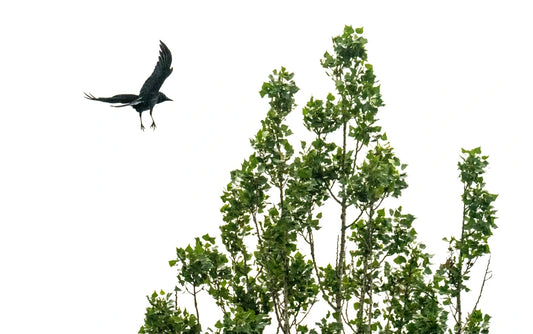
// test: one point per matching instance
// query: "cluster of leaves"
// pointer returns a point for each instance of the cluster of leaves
(381, 278)
(476, 228)
(163, 317)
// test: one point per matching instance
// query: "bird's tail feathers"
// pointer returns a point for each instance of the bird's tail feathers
(90, 96)
(123, 99)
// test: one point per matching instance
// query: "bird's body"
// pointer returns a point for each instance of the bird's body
(150, 94)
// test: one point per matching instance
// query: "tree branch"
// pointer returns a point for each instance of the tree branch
(485, 279)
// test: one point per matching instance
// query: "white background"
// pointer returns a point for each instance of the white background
(92, 208)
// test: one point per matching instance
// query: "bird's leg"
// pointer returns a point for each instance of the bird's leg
(153, 126)
(141, 118)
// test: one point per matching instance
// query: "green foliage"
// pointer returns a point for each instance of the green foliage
(241, 321)
(477, 323)
(379, 279)
(464, 251)
(201, 264)
(163, 318)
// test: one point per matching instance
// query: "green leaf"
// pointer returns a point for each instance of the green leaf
(209, 239)
(348, 30)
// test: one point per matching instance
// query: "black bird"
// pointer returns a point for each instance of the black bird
(150, 94)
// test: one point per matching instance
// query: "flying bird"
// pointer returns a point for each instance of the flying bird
(150, 94)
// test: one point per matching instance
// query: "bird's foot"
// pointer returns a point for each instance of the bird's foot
(153, 126)
(142, 127)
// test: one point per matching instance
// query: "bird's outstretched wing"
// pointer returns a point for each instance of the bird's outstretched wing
(161, 71)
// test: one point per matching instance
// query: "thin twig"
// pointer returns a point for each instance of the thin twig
(312, 246)
(196, 304)
(485, 279)
(254, 218)
(356, 219)
(306, 313)
(333, 196)
(347, 317)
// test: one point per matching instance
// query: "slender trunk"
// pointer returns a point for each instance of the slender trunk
(367, 282)
(362, 294)
(458, 329)
(340, 264)
(459, 324)
(369, 271)
(342, 249)
(194, 293)
(459, 272)
(286, 323)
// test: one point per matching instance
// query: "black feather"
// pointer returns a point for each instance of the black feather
(150, 94)
(161, 71)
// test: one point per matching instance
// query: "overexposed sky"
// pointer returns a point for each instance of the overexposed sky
(92, 208)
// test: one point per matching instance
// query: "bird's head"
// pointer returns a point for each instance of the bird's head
(162, 98)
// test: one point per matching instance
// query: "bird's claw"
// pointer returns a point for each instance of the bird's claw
(142, 127)
(153, 126)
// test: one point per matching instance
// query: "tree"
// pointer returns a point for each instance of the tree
(476, 228)
(380, 278)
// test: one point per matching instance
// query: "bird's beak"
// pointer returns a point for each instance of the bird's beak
(170, 99)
